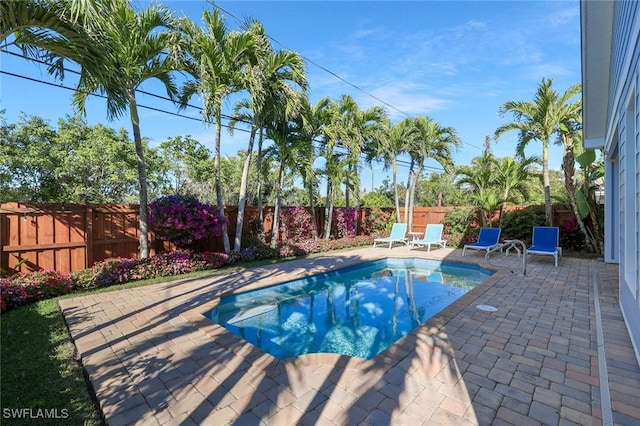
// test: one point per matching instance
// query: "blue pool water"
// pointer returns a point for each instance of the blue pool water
(357, 311)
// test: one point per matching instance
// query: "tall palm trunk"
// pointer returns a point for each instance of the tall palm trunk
(312, 209)
(142, 177)
(407, 192)
(346, 191)
(396, 194)
(275, 232)
(548, 210)
(328, 211)
(225, 232)
(412, 196)
(242, 198)
(259, 188)
(503, 207)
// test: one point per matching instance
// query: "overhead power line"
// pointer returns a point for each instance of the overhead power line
(164, 111)
(328, 71)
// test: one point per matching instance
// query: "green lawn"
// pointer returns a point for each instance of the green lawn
(39, 370)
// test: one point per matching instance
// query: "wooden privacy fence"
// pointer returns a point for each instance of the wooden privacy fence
(71, 237)
(66, 237)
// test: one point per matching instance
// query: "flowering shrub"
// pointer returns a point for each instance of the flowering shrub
(297, 222)
(44, 284)
(571, 238)
(214, 260)
(345, 222)
(22, 289)
(304, 247)
(182, 219)
(376, 221)
(121, 270)
(112, 271)
(12, 294)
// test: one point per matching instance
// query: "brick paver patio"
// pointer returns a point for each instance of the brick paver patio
(152, 358)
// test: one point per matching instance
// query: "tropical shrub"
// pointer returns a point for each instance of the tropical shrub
(111, 271)
(44, 284)
(296, 222)
(518, 224)
(571, 238)
(376, 221)
(22, 289)
(12, 294)
(182, 219)
(456, 225)
(344, 221)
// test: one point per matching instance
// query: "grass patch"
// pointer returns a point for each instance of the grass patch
(39, 370)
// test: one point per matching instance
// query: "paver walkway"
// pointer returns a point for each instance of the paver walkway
(152, 358)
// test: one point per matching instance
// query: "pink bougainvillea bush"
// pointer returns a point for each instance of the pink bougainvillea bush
(182, 219)
(376, 221)
(344, 220)
(296, 222)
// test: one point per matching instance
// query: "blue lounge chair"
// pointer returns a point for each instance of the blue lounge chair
(487, 240)
(546, 241)
(432, 235)
(397, 235)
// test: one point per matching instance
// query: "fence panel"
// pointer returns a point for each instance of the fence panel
(42, 236)
(71, 237)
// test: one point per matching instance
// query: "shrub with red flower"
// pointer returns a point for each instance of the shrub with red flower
(182, 219)
(12, 294)
(22, 289)
(345, 222)
(296, 222)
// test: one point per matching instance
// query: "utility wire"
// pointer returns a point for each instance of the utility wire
(328, 71)
(320, 66)
(62, 86)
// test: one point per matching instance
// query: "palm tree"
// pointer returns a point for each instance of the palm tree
(113, 62)
(215, 60)
(283, 131)
(480, 181)
(355, 129)
(511, 177)
(393, 142)
(53, 29)
(430, 140)
(271, 79)
(539, 120)
(332, 169)
(570, 136)
(314, 120)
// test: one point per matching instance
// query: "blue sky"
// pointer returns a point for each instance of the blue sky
(455, 61)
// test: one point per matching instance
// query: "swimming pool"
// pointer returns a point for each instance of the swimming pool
(357, 311)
